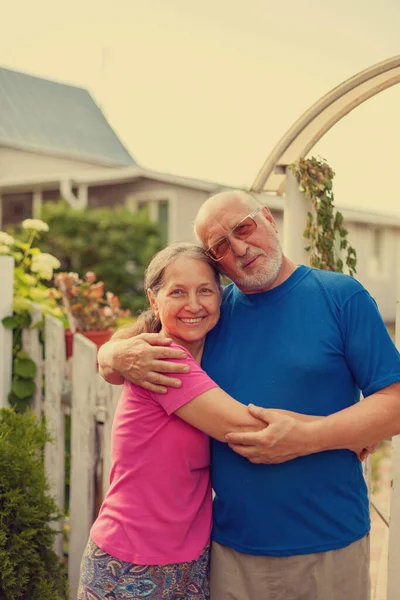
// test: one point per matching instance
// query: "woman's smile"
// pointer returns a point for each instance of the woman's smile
(191, 320)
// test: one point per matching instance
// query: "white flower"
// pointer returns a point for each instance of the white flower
(44, 271)
(5, 238)
(48, 260)
(4, 249)
(35, 225)
(43, 264)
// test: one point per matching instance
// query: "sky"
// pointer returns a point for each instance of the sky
(206, 89)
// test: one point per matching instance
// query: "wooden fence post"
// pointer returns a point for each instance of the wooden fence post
(107, 397)
(84, 373)
(53, 409)
(6, 299)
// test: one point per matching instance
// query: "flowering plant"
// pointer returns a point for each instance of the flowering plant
(86, 305)
(33, 269)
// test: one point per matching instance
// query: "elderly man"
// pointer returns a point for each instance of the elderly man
(291, 522)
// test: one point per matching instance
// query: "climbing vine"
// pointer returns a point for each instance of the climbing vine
(326, 235)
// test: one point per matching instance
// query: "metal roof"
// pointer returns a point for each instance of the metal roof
(38, 115)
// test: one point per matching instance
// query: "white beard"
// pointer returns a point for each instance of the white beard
(264, 275)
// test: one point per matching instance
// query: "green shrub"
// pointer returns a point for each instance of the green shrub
(112, 242)
(30, 569)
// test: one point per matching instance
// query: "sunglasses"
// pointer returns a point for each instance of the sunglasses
(241, 231)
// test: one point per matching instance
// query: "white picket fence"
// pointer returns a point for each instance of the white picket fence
(72, 387)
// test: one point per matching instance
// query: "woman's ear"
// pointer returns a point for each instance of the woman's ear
(153, 303)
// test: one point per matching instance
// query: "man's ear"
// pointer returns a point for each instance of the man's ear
(153, 303)
(267, 214)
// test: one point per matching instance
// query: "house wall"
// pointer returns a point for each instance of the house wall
(17, 163)
(183, 204)
(187, 206)
(180, 204)
(109, 195)
(377, 265)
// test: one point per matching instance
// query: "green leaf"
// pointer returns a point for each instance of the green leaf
(25, 368)
(17, 404)
(23, 388)
(324, 229)
(25, 320)
(9, 322)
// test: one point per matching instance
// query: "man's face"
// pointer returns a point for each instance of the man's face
(253, 264)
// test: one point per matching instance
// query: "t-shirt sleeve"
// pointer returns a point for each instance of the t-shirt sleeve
(194, 383)
(370, 353)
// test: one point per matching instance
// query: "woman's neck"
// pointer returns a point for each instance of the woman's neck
(195, 348)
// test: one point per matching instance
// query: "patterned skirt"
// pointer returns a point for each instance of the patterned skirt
(106, 578)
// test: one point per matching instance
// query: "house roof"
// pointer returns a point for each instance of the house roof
(101, 177)
(38, 115)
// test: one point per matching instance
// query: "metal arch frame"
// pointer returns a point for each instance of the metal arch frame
(319, 118)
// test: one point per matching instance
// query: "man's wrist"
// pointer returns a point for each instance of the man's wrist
(108, 356)
(115, 355)
(315, 441)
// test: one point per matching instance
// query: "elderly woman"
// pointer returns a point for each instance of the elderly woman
(151, 538)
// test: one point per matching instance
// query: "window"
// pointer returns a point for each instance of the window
(377, 243)
(163, 219)
(157, 211)
(16, 208)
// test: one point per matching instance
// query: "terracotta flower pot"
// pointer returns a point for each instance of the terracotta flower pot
(98, 337)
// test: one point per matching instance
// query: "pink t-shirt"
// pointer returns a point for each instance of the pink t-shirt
(158, 507)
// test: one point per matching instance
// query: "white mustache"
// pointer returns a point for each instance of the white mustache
(249, 257)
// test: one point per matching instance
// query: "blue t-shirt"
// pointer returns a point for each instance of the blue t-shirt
(309, 345)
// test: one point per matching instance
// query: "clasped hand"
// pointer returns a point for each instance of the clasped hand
(285, 438)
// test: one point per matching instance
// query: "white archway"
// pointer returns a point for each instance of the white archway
(319, 118)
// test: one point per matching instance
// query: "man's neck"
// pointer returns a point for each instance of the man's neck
(287, 269)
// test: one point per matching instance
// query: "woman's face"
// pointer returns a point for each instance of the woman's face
(188, 304)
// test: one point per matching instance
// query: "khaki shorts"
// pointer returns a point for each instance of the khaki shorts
(335, 575)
